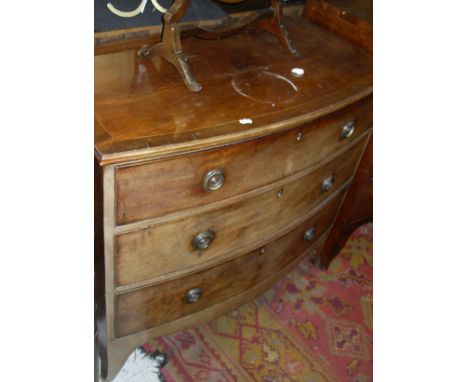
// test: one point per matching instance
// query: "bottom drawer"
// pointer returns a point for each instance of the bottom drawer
(151, 306)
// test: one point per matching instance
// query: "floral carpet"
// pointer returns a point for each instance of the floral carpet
(312, 325)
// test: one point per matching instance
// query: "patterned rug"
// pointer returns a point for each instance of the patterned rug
(312, 325)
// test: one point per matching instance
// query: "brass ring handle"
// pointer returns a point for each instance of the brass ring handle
(328, 183)
(203, 240)
(193, 295)
(309, 234)
(348, 130)
(213, 180)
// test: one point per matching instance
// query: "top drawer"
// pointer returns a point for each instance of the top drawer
(154, 189)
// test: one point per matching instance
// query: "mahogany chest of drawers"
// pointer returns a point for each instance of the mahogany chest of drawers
(204, 200)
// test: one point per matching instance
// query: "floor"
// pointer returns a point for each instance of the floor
(312, 325)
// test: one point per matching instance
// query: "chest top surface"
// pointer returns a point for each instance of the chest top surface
(143, 110)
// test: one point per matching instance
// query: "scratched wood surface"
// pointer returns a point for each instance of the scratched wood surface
(142, 108)
(144, 115)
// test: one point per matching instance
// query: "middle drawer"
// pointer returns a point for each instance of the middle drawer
(184, 244)
(188, 242)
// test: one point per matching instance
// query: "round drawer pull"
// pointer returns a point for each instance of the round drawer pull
(328, 183)
(299, 136)
(193, 295)
(309, 234)
(280, 193)
(213, 180)
(203, 240)
(348, 130)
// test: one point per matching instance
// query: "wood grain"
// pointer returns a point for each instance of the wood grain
(143, 109)
(357, 207)
(363, 210)
(338, 17)
(165, 302)
(144, 114)
(120, 348)
(154, 189)
(165, 248)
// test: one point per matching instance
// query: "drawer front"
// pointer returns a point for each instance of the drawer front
(170, 247)
(155, 305)
(158, 188)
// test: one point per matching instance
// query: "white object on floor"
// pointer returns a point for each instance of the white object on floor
(138, 368)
